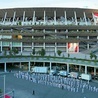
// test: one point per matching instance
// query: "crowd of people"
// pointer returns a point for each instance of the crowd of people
(69, 84)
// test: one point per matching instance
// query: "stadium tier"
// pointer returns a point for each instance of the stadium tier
(70, 30)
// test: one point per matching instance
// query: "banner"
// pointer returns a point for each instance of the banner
(73, 47)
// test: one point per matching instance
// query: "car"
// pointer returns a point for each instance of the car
(63, 73)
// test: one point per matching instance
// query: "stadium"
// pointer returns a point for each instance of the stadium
(60, 32)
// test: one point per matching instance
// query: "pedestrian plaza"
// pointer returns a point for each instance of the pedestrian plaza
(48, 86)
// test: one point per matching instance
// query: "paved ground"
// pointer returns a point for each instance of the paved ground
(23, 89)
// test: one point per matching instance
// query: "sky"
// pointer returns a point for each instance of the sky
(49, 3)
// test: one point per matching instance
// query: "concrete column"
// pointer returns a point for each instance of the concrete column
(68, 67)
(65, 19)
(21, 47)
(29, 66)
(88, 44)
(14, 17)
(50, 66)
(55, 48)
(44, 43)
(85, 18)
(44, 18)
(67, 47)
(23, 17)
(79, 68)
(54, 17)
(5, 67)
(33, 17)
(10, 45)
(94, 71)
(44, 64)
(75, 17)
(20, 65)
(85, 69)
(4, 17)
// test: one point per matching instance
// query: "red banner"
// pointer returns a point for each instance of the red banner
(73, 47)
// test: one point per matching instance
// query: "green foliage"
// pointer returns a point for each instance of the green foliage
(10, 53)
(68, 55)
(59, 52)
(39, 52)
(14, 51)
(43, 52)
(5, 52)
(93, 56)
(33, 51)
(20, 23)
(0, 90)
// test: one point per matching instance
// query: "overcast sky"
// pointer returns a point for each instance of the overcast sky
(49, 3)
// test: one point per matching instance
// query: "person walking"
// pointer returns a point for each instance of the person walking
(33, 92)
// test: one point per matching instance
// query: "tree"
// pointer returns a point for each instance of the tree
(39, 52)
(10, 52)
(43, 52)
(33, 51)
(59, 52)
(95, 56)
(91, 55)
(68, 55)
(20, 23)
(15, 51)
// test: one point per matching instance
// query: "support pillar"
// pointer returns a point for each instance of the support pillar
(50, 66)
(20, 65)
(44, 64)
(68, 67)
(44, 43)
(88, 44)
(5, 67)
(14, 17)
(10, 45)
(4, 17)
(33, 17)
(85, 69)
(55, 48)
(79, 68)
(54, 17)
(29, 66)
(75, 17)
(44, 18)
(85, 18)
(21, 47)
(65, 19)
(94, 71)
(23, 18)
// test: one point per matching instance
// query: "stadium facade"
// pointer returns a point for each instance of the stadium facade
(70, 30)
